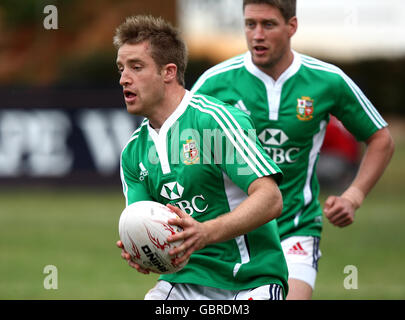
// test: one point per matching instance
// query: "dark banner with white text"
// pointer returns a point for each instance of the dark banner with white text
(50, 139)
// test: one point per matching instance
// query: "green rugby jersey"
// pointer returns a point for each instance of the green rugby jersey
(202, 160)
(291, 115)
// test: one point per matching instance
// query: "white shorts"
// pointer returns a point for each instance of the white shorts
(302, 254)
(164, 290)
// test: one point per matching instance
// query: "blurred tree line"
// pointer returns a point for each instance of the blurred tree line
(80, 52)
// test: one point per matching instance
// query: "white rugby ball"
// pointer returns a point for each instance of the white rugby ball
(143, 230)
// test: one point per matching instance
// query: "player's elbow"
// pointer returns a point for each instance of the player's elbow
(388, 142)
(274, 205)
(267, 197)
(278, 205)
(390, 146)
(383, 142)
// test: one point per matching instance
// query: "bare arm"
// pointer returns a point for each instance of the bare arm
(380, 148)
(264, 203)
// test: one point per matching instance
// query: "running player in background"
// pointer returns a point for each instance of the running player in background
(203, 160)
(290, 97)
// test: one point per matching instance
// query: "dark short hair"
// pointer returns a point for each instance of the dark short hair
(166, 43)
(288, 8)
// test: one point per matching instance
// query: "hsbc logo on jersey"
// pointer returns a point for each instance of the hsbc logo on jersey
(276, 137)
(174, 191)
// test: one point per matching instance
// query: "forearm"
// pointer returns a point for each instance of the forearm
(263, 204)
(380, 148)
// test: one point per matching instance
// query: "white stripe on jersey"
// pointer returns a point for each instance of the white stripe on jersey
(133, 137)
(251, 143)
(124, 185)
(226, 131)
(364, 102)
(316, 147)
(225, 64)
(234, 63)
(235, 196)
(244, 253)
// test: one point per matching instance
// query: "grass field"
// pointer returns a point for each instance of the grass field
(76, 230)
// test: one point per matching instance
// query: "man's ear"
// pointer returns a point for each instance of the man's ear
(293, 26)
(170, 72)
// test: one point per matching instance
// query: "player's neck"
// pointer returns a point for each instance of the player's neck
(172, 98)
(278, 68)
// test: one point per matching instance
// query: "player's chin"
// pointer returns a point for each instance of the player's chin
(262, 61)
(132, 108)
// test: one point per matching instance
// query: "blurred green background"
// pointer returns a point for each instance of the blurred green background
(74, 227)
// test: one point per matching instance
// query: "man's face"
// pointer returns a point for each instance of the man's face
(140, 78)
(267, 34)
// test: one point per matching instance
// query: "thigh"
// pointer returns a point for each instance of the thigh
(299, 290)
(302, 254)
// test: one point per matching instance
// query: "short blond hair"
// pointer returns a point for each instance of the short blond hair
(166, 43)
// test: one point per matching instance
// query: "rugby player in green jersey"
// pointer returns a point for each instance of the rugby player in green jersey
(202, 159)
(290, 97)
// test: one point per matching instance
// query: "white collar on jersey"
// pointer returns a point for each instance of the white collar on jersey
(273, 88)
(288, 73)
(160, 138)
(175, 115)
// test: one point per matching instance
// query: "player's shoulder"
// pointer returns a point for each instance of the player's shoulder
(233, 63)
(210, 109)
(205, 99)
(136, 136)
(327, 72)
(316, 65)
(225, 69)
(210, 102)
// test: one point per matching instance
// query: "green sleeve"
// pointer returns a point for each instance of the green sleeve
(133, 189)
(355, 111)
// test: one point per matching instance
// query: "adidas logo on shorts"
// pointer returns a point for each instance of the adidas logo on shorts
(297, 249)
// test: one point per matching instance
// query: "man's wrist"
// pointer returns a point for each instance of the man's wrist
(354, 195)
